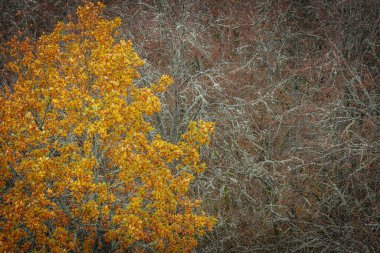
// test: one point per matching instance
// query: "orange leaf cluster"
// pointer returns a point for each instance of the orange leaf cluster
(78, 169)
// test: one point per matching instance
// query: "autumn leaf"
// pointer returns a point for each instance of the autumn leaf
(78, 169)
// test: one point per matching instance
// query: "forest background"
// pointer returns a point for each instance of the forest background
(293, 87)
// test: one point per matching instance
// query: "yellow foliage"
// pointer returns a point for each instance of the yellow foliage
(77, 168)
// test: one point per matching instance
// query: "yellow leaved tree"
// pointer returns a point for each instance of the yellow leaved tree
(81, 168)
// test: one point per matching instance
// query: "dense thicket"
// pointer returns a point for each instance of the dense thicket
(293, 87)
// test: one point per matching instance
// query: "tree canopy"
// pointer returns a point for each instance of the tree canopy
(82, 166)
